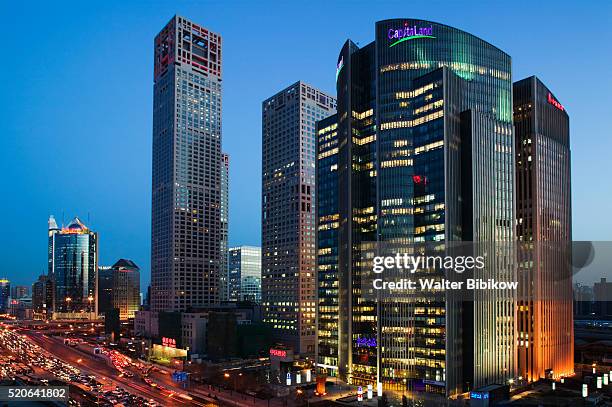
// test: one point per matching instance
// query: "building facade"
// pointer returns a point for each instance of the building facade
(245, 273)
(126, 288)
(602, 298)
(544, 232)
(73, 266)
(422, 155)
(42, 297)
(223, 283)
(327, 244)
(146, 324)
(288, 205)
(186, 193)
(5, 295)
(105, 289)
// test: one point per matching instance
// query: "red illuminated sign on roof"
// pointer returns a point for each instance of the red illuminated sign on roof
(555, 102)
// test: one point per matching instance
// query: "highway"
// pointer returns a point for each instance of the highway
(108, 375)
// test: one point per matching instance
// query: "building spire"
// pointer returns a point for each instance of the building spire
(52, 223)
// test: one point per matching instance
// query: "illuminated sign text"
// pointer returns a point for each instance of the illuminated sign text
(407, 33)
(278, 352)
(170, 342)
(555, 102)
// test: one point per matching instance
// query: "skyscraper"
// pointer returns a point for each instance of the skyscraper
(42, 297)
(186, 196)
(105, 289)
(544, 232)
(5, 295)
(245, 273)
(126, 288)
(422, 155)
(288, 210)
(327, 244)
(223, 284)
(73, 261)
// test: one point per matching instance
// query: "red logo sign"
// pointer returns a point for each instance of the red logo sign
(278, 352)
(555, 102)
(169, 342)
(419, 179)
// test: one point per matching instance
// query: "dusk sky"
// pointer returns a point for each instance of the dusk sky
(76, 103)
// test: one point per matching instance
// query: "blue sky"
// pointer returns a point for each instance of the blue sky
(76, 102)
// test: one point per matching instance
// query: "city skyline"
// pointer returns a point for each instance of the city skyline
(427, 230)
(124, 227)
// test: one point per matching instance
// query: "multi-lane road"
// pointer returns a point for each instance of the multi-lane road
(68, 364)
(97, 366)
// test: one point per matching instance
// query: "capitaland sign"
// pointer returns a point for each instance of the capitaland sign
(409, 32)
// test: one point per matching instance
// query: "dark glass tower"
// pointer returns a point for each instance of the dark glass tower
(327, 243)
(186, 224)
(42, 295)
(544, 232)
(424, 157)
(105, 289)
(5, 295)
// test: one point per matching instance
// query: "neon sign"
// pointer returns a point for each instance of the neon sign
(366, 342)
(169, 342)
(339, 67)
(419, 179)
(480, 396)
(278, 352)
(555, 102)
(407, 33)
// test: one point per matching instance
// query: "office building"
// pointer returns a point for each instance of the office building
(20, 291)
(5, 295)
(146, 324)
(602, 298)
(223, 283)
(105, 289)
(73, 265)
(544, 233)
(422, 156)
(42, 297)
(327, 243)
(126, 288)
(288, 207)
(193, 331)
(186, 192)
(245, 273)
(147, 299)
(583, 301)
